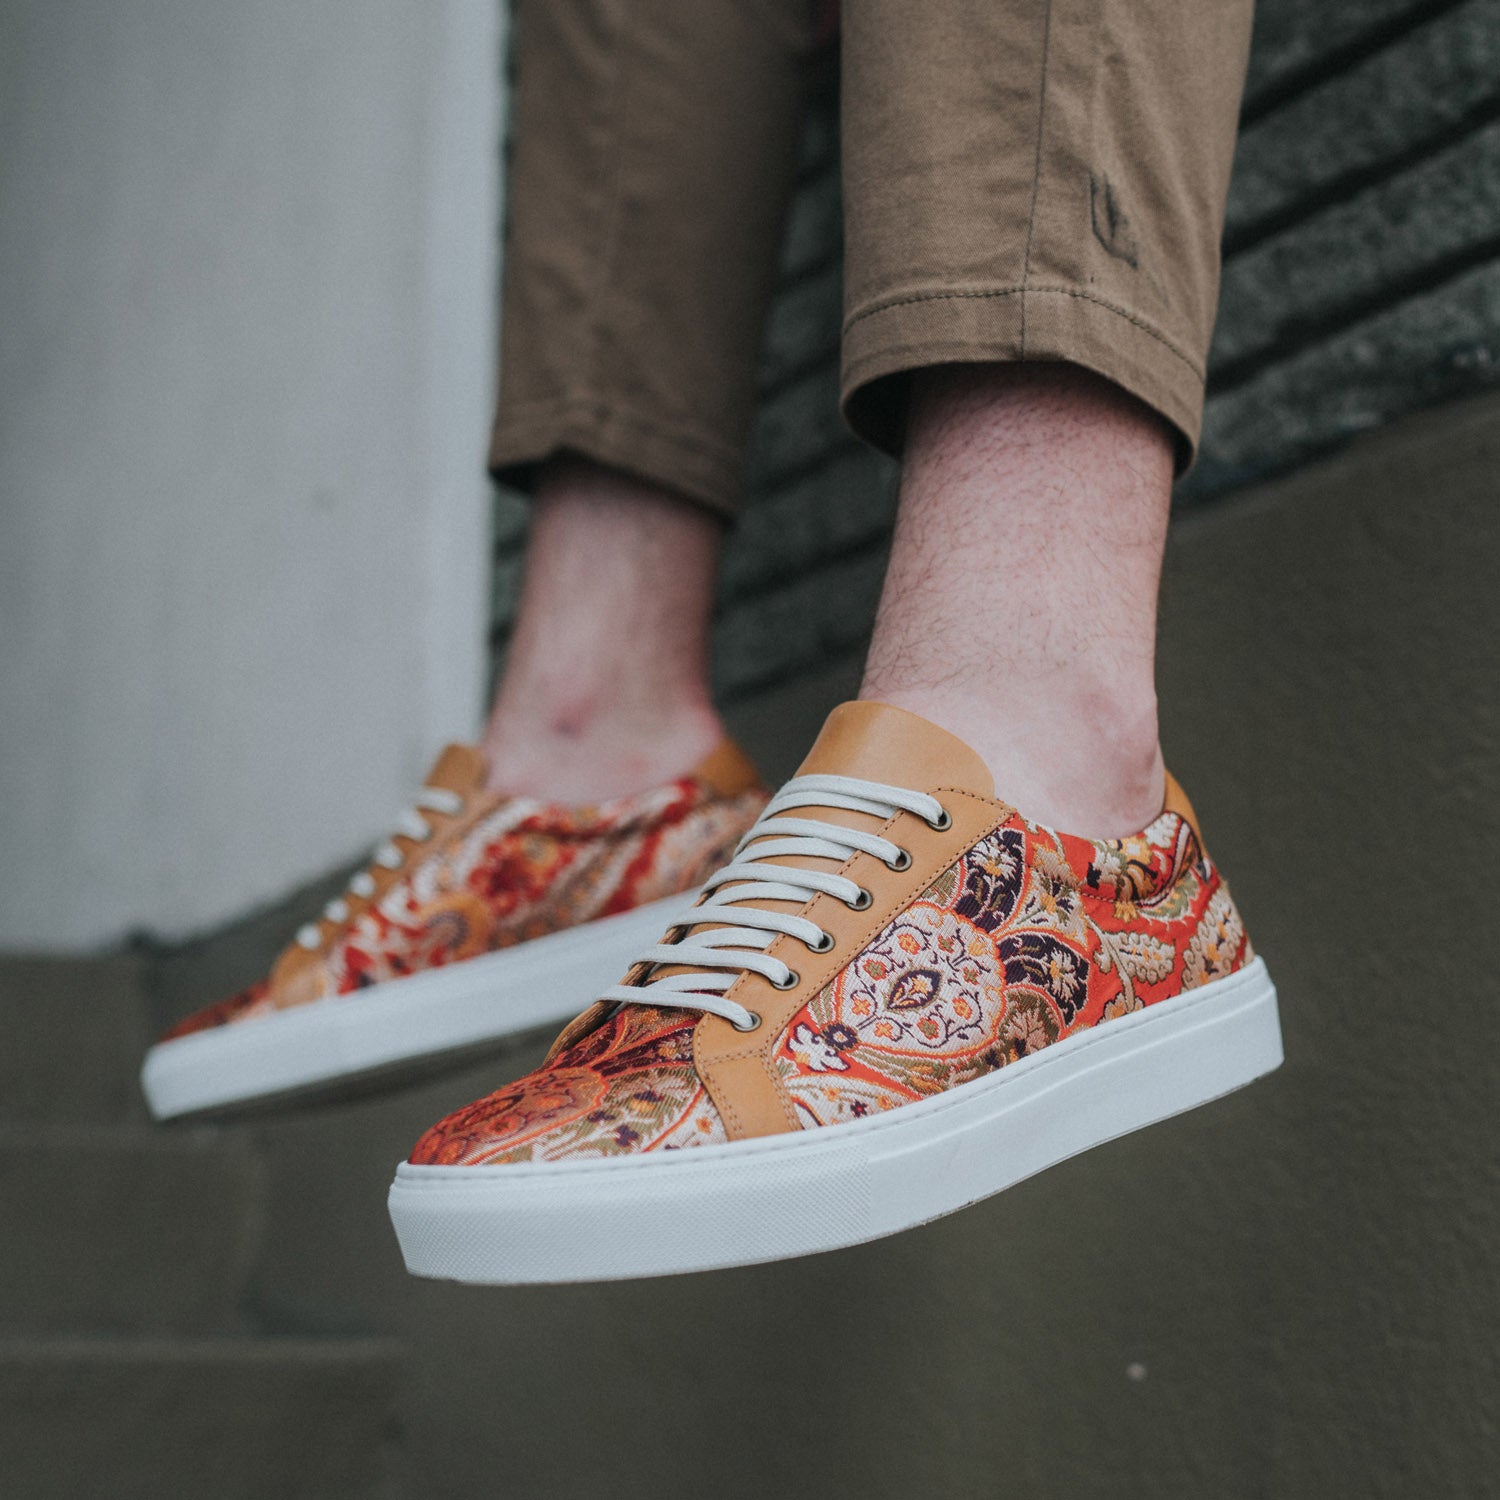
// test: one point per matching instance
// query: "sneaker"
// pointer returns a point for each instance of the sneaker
(898, 998)
(483, 916)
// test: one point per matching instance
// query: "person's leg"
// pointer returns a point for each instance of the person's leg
(653, 155)
(1034, 194)
(606, 687)
(1019, 608)
(654, 150)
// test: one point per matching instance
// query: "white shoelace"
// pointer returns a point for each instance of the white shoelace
(387, 856)
(714, 960)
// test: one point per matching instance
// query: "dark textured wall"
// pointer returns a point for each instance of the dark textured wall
(1362, 247)
(1361, 280)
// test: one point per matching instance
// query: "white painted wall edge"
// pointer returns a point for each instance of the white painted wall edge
(248, 264)
(463, 203)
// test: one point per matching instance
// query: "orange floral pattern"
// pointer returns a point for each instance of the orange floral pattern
(628, 1086)
(1029, 937)
(519, 870)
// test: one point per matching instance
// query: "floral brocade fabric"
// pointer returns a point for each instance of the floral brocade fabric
(519, 870)
(1029, 937)
(628, 1086)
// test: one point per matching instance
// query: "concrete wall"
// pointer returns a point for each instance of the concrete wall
(247, 270)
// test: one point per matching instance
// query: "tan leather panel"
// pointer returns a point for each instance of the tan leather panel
(736, 1066)
(1176, 801)
(876, 742)
(458, 768)
(727, 770)
(879, 742)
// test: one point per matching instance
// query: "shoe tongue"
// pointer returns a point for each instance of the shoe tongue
(879, 742)
(872, 742)
(459, 768)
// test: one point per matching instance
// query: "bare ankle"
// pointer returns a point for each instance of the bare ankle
(605, 691)
(584, 751)
(1074, 763)
(1019, 610)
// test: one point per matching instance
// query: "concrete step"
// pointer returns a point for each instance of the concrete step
(125, 1228)
(74, 1033)
(231, 1418)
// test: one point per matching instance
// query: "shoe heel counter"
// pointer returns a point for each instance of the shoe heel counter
(1221, 942)
(1222, 907)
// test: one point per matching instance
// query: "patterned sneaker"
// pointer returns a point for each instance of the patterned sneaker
(899, 997)
(483, 916)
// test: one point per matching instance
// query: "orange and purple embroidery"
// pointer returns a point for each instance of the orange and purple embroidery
(626, 1087)
(1029, 937)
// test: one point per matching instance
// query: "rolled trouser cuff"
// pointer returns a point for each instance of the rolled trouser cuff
(690, 464)
(887, 340)
(1036, 180)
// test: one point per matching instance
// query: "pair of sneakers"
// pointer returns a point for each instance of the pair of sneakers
(867, 1001)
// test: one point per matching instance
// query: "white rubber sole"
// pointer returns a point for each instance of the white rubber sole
(819, 1189)
(401, 1023)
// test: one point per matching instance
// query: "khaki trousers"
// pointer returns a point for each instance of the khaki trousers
(1023, 180)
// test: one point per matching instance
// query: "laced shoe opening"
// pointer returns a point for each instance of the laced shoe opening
(734, 925)
(412, 825)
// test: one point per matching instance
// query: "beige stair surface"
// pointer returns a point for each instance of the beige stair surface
(135, 1357)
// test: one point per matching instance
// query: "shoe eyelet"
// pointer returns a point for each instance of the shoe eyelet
(824, 943)
(942, 823)
(792, 980)
(901, 862)
(862, 902)
(753, 1024)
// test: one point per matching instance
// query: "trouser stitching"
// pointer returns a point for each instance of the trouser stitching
(618, 113)
(1036, 175)
(1031, 291)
